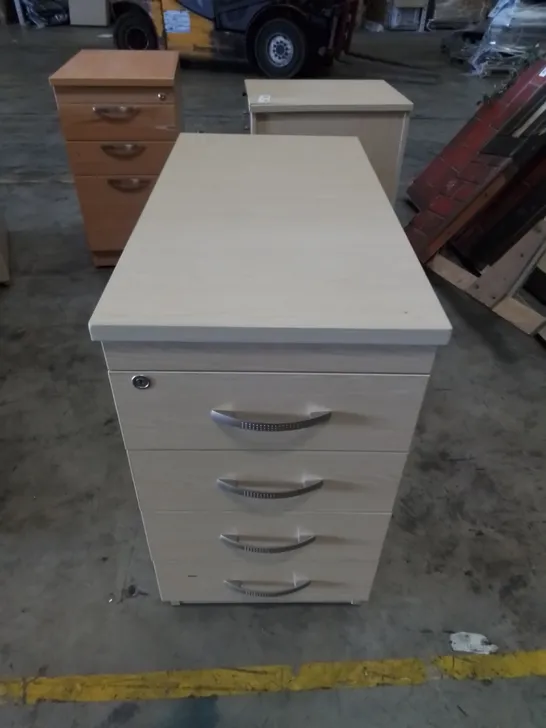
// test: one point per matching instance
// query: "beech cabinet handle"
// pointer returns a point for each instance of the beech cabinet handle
(116, 113)
(231, 419)
(123, 151)
(129, 184)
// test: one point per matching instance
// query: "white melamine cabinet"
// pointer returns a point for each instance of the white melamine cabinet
(269, 335)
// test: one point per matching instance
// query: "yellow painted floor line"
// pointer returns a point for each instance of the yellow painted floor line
(177, 684)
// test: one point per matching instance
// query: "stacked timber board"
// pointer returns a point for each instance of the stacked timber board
(480, 223)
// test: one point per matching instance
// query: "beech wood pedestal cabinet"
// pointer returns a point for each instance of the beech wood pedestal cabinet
(269, 344)
(120, 114)
(371, 110)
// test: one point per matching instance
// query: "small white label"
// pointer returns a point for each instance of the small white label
(543, 72)
(264, 99)
(177, 21)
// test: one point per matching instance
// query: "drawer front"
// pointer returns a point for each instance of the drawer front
(180, 582)
(201, 411)
(267, 483)
(119, 122)
(269, 358)
(118, 158)
(214, 538)
(110, 208)
(66, 95)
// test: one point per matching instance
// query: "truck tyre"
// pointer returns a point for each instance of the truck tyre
(134, 31)
(280, 48)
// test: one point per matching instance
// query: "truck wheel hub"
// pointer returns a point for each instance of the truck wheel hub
(280, 50)
(136, 39)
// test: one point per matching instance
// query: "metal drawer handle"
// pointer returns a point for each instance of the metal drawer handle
(233, 486)
(116, 113)
(239, 586)
(123, 151)
(129, 184)
(232, 420)
(236, 543)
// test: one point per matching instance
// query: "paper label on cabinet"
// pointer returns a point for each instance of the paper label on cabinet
(177, 21)
(264, 98)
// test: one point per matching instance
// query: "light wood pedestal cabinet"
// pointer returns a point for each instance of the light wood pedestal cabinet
(269, 336)
(371, 110)
(120, 114)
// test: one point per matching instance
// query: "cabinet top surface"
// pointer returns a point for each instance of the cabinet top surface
(118, 68)
(271, 95)
(266, 238)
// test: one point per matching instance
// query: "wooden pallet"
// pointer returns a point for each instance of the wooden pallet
(498, 287)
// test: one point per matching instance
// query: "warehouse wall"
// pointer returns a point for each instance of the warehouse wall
(460, 9)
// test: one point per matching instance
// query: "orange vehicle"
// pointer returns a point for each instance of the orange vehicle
(282, 38)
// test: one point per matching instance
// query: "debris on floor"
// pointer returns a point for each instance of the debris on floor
(472, 642)
(512, 37)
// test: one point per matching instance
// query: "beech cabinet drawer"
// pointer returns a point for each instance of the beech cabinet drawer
(111, 207)
(92, 95)
(118, 158)
(241, 582)
(266, 482)
(120, 122)
(224, 538)
(225, 411)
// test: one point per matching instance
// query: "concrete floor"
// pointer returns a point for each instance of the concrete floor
(467, 543)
